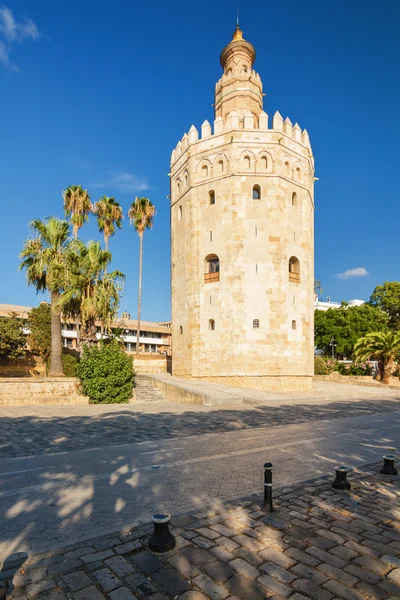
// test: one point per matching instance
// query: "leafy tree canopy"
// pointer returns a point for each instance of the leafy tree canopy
(346, 325)
(12, 338)
(387, 297)
(40, 328)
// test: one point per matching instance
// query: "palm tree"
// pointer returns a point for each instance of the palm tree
(317, 287)
(109, 214)
(77, 204)
(43, 257)
(141, 214)
(95, 292)
(384, 346)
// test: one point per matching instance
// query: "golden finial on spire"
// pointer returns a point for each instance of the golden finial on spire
(238, 34)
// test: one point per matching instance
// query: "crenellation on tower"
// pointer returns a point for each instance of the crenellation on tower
(242, 233)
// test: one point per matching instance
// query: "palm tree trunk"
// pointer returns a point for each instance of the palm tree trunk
(78, 334)
(56, 364)
(387, 370)
(75, 231)
(140, 289)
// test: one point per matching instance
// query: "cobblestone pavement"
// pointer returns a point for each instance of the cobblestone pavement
(28, 430)
(319, 544)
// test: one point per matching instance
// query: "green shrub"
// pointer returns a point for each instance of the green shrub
(106, 374)
(70, 363)
(352, 369)
(324, 365)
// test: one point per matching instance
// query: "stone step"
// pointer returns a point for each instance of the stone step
(145, 392)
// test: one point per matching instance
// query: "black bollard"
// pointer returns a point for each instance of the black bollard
(268, 488)
(161, 540)
(388, 465)
(340, 482)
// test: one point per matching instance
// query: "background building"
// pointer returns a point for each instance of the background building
(325, 305)
(242, 228)
(154, 337)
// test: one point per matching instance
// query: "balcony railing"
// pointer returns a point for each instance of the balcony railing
(294, 277)
(211, 277)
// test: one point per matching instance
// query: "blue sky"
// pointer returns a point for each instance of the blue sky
(97, 93)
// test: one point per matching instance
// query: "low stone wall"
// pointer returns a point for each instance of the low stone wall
(151, 364)
(21, 391)
(269, 384)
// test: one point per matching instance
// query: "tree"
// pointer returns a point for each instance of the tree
(43, 257)
(109, 214)
(317, 287)
(141, 215)
(40, 331)
(77, 204)
(387, 297)
(346, 325)
(12, 337)
(384, 346)
(90, 290)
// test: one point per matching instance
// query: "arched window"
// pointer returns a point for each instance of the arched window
(211, 324)
(179, 186)
(256, 324)
(294, 326)
(204, 171)
(287, 168)
(211, 269)
(220, 166)
(294, 199)
(256, 192)
(264, 163)
(186, 180)
(180, 329)
(180, 213)
(294, 270)
(212, 196)
(246, 162)
(298, 174)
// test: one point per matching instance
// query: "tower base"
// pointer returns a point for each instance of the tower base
(284, 383)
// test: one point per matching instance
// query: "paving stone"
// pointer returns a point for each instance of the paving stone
(218, 571)
(326, 557)
(371, 592)
(107, 580)
(251, 557)
(192, 596)
(181, 564)
(119, 565)
(275, 571)
(203, 542)
(55, 594)
(362, 549)
(271, 555)
(170, 581)
(344, 553)
(392, 561)
(89, 593)
(228, 544)
(180, 542)
(224, 531)
(337, 574)
(244, 588)
(301, 556)
(209, 533)
(137, 581)
(34, 589)
(322, 542)
(198, 556)
(157, 596)
(64, 567)
(77, 580)
(390, 586)
(330, 535)
(97, 556)
(244, 568)
(309, 573)
(372, 564)
(272, 585)
(363, 574)
(310, 590)
(342, 591)
(207, 585)
(105, 543)
(146, 562)
(128, 547)
(297, 596)
(122, 593)
(300, 533)
(248, 542)
(395, 576)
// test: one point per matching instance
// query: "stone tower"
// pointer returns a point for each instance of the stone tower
(242, 227)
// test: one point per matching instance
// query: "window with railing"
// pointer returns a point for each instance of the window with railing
(212, 269)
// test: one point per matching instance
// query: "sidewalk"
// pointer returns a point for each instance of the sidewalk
(319, 544)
